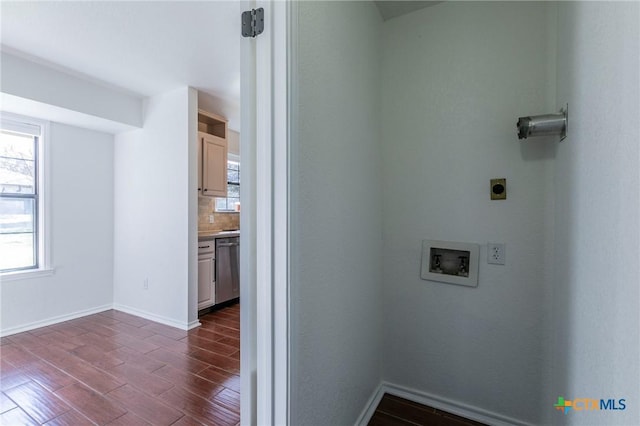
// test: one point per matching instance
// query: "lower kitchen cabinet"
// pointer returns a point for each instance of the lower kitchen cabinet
(206, 275)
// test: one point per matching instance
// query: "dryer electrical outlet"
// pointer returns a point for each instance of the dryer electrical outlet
(499, 189)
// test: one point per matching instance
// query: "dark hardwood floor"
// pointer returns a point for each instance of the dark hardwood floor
(118, 369)
(395, 411)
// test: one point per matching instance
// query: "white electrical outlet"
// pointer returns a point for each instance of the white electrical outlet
(145, 285)
(495, 253)
(211, 218)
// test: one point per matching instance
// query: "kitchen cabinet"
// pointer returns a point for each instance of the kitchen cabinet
(212, 155)
(206, 274)
(214, 166)
(199, 164)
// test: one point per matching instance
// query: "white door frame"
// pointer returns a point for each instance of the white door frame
(248, 329)
(264, 218)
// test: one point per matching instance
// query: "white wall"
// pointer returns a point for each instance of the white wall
(81, 193)
(596, 352)
(455, 77)
(64, 97)
(233, 142)
(223, 107)
(153, 211)
(335, 214)
(192, 206)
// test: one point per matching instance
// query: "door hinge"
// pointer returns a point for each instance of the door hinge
(252, 22)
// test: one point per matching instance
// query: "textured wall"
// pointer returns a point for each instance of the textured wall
(596, 352)
(455, 77)
(561, 317)
(335, 211)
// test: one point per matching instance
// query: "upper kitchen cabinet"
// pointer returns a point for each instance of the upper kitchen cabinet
(212, 155)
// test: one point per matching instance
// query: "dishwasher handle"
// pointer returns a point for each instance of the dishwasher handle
(227, 244)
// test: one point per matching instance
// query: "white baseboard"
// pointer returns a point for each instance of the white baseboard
(194, 324)
(54, 320)
(370, 408)
(156, 318)
(441, 403)
(78, 314)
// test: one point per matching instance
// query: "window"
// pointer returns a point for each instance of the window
(232, 199)
(21, 245)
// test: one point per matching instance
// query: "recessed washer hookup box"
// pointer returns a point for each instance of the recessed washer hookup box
(450, 262)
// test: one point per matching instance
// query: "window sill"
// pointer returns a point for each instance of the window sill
(25, 275)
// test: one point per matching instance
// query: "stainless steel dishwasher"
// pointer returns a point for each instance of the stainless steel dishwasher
(227, 269)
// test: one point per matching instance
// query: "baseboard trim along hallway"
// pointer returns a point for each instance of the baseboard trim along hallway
(79, 314)
(156, 318)
(54, 320)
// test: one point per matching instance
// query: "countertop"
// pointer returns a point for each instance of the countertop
(212, 235)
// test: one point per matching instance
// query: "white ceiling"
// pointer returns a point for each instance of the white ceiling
(146, 48)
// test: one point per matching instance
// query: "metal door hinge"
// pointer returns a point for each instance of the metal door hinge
(252, 22)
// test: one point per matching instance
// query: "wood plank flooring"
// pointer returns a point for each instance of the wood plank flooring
(395, 411)
(113, 368)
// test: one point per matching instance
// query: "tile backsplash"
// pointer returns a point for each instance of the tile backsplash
(222, 221)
